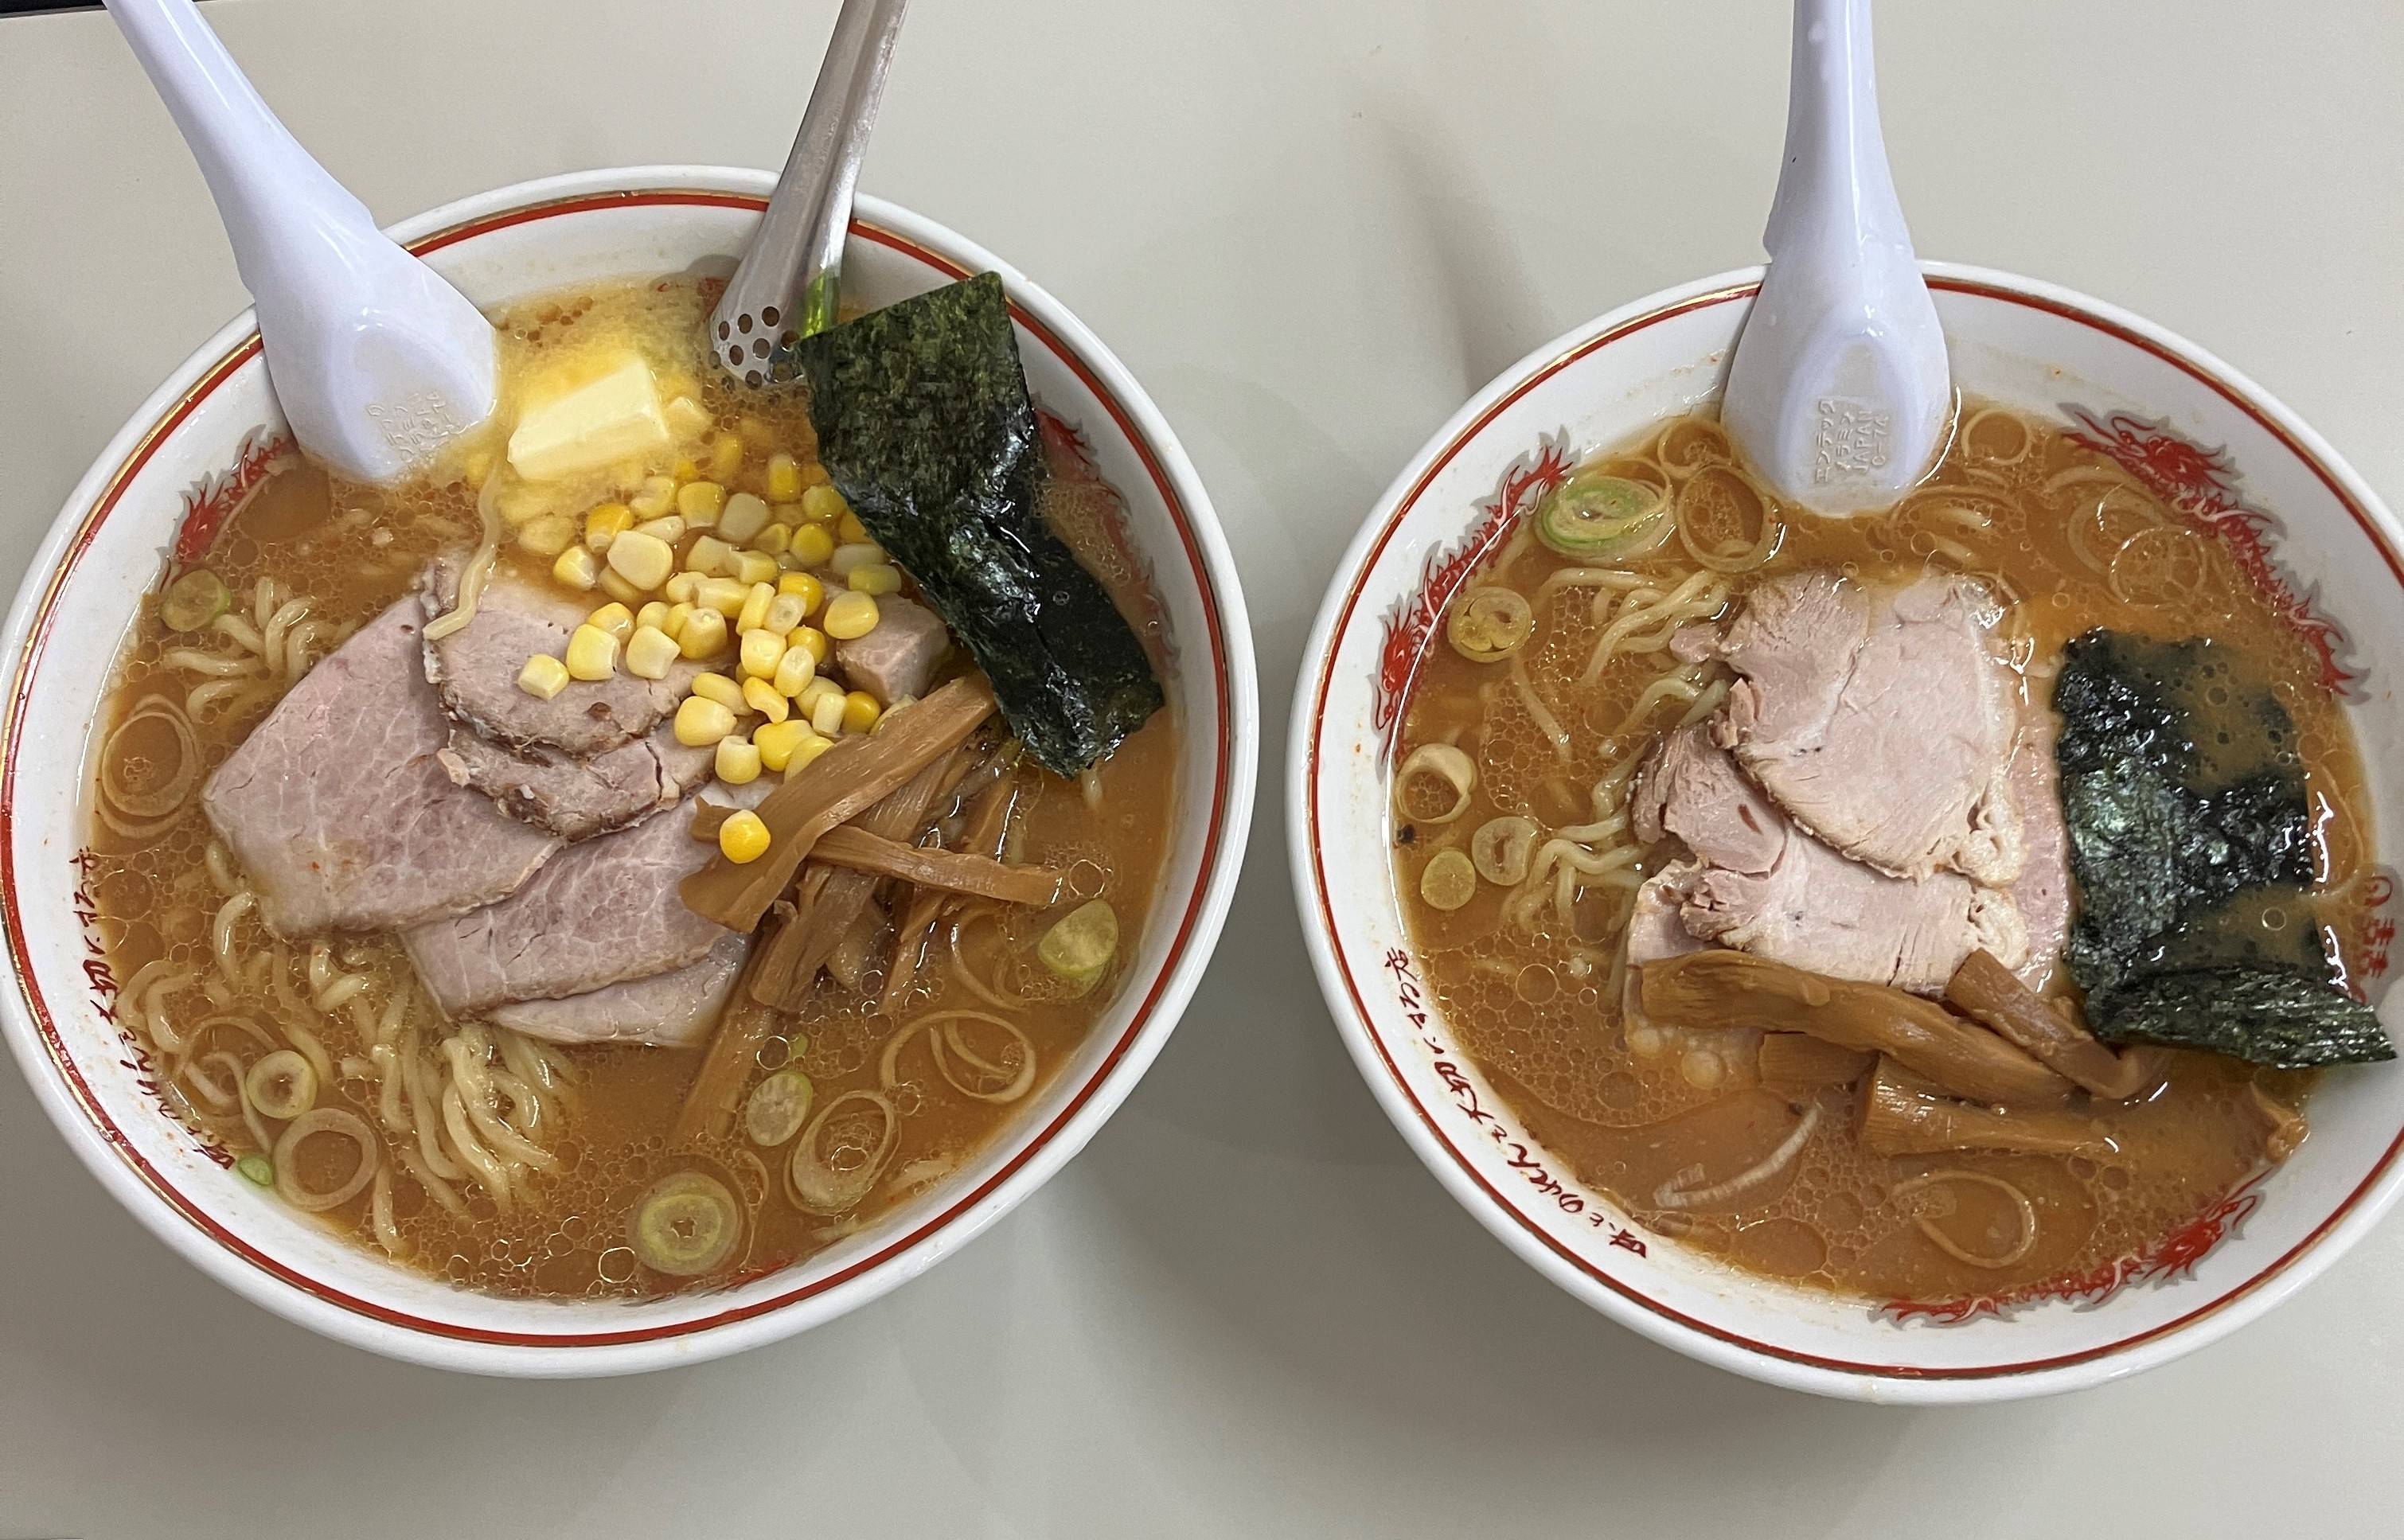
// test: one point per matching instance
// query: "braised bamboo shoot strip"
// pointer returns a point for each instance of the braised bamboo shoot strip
(921, 866)
(717, 1090)
(984, 835)
(1984, 989)
(847, 964)
(836, 787)
(1902, 1114)
(828, 899)
(1797, 1062)
(1718, 988)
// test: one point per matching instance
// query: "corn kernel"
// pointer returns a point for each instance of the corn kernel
(754, 613)
(685, 471)
(645, 561)
(543, 677)
(667, 526)
(742, 517)
(650, 652)
(794, 670)
(678, 615)
(826, 716)
(811, 638)
(685, 417)
(738, 761)
(775, 540)
(704, 634)
(605, 524)
(850, 616)
(743, 838)
(785, 612)
(617, 588)
(710, 557)
(812, 545)
(777, 740)
(762, 697)
(787, 514)
(814, 691)
(801, 586)
(591, 653)
(547, 536)
(722, 594)
(823, 504)
(860, 553)
(617, 620)
(784, 479)
(656, 496)
(701, 722)
(681, 588)
(813, 472)
(577, 568)
(806, 750)
(718, 687)
(851, 530)
(760, 652)
(875, 578)
(753, 566)
(860, 710)
(520, 504)
(651, 615)
(700, 502)
(725, 456)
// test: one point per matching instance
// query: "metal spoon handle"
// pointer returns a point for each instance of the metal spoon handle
(785, 286)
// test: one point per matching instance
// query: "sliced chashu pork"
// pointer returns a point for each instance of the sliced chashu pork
(1761, 884)
(668, 1010)
(338, 808)
(1883, 719)
(475, 669)
(574, 796)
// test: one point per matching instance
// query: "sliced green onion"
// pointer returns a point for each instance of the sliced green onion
(256, 1169)
(777, 1108)
(1593, 517)
(1487, 624)
(687, 1224)
(1079, 948)
(194, 600)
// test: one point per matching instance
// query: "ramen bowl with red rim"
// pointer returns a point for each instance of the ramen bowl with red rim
(212, 433)
(2223, 454)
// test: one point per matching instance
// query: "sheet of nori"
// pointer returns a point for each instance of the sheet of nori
(926, 427)
(2177, 849)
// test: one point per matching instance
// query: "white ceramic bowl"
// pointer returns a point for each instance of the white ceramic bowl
(2228, 456)
(202, 442)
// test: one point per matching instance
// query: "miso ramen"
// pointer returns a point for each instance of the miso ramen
(601, 866)
(1918, 905)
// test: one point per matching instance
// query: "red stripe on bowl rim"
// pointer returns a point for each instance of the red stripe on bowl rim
(215, 376)
(1319, 753)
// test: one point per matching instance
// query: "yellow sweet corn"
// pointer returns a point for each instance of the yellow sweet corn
(645, 561)
(577, 568)
(850, 557)
(685, 471)
(616, 587)
(823, 504)
(754, 613)
(753, 566)
(794, 670)
(650, 652)
(615, 619)
(776, 539)
(651, 615)
(544, 676)
(667, 526)
(762, 697)
(679, 588)
(605, 524)
(655, 497)
(851, 530)
(827, 715)
(710, 557)
(813, 472)
(722, 594)
(850, 616)
(815, 693)
(743, 518)
(806, 750)
(718, 687)
(700, 502)
(813, 639)
(738, 762)
(801, 586)
(876, 579)
(704, 634)
(701, 722)
(591, 653)
(777, 740)
(787, 514)
(547, 536)
(725, 456)
(743, 838)
(785, 612)
(860, 710)
(784, 479)
(812, 546)
(760, 652)
(678, 615)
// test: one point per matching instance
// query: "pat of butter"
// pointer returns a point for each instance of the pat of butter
(615, 417)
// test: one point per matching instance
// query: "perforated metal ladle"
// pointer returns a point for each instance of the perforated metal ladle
(787, 286)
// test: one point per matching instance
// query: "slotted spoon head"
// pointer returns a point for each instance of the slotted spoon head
(1840, 388)
(787, 285)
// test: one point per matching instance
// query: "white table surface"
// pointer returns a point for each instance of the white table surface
(1311, 228)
